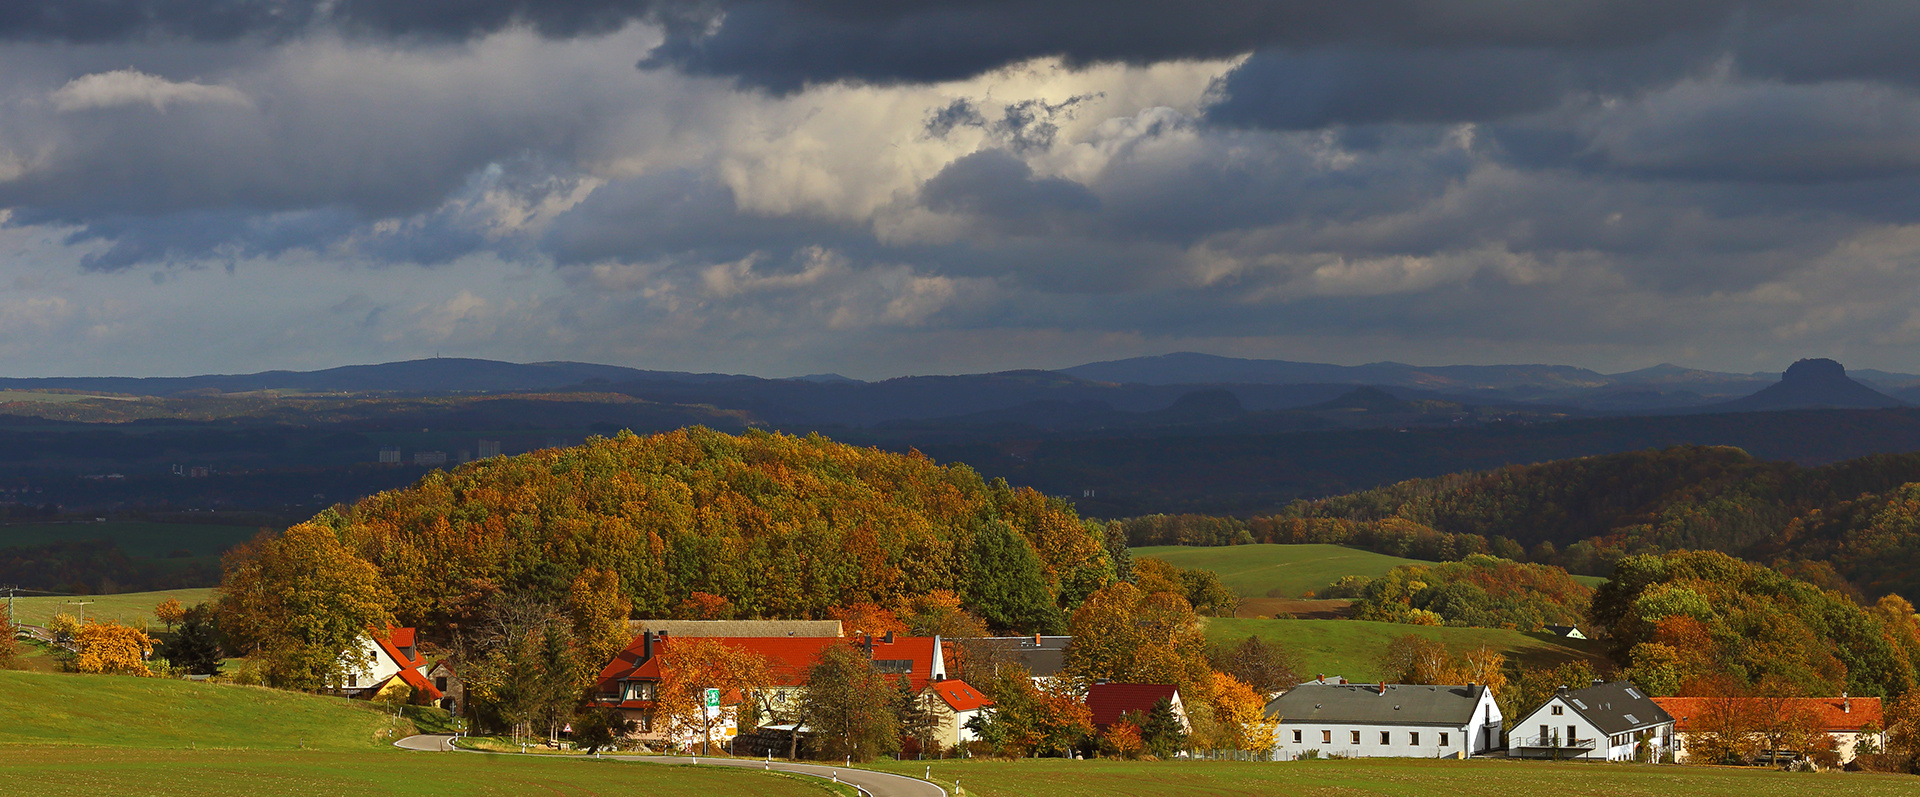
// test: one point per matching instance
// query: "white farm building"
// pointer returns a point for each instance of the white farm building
(1385, 720)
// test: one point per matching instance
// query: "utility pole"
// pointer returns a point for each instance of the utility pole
(11, 621)
(81, 604)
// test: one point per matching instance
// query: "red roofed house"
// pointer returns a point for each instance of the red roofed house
(631, 679)
(1107, 701)
(954, 702)
(1849, 720)
(387, 658)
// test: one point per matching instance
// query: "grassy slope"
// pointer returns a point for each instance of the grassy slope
(129, 607)
(87, 735)
(1409, 777)
(1350, 648)
(134, 537)
(1287, 571)
(1278, 571)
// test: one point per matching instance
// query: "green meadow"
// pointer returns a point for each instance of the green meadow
(1278, 571)
(1351, 648)
(1287, 571)
(88, 735)
(1055, 777)
(133, 608)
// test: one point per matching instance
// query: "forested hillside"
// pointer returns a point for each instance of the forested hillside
(767, 525)
(1853, 524)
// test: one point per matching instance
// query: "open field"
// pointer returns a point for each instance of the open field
(1278, 571)
(1349, 648)
(87, 735)
(1406, 777)
(127, 607)
(1286, 571)
(94, 771)
(136, 538)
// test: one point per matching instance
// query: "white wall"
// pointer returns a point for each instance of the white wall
(1400, 740)
(1603, 749)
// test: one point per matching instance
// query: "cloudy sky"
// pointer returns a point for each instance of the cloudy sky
(884, 187)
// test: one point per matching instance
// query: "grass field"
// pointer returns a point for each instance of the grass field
(1406, 777)
(136, 538)
(1287, 571)
(87, 735)
(1278, 571)
(1350, 648)
(127, 607)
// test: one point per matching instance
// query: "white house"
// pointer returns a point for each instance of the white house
(386, 658)
(1385, 720)
(1603, 722)
(955, 702)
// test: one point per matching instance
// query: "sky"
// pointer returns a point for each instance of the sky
(783, 187)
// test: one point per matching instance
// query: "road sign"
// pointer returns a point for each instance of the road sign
(713, 698)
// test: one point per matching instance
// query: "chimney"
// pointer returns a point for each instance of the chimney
(888, 639)
(646, 645)
(1599, 681)
(1846, 704)
(1383, 688)
(1036, 639)
(1322, 678)
(663, 638)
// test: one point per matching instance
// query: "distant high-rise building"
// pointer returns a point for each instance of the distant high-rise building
(389, 455)
(489, 449)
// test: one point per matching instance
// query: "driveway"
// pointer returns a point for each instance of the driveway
(877, 784)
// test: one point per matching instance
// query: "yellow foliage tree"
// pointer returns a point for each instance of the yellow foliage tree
(599, 611)
(302, 601)
(1243, 712)
(1123, 634)
(111, 648)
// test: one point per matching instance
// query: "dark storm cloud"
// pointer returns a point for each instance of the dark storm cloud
(97, 21)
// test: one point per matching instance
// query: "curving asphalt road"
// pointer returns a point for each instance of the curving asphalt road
(876, 784)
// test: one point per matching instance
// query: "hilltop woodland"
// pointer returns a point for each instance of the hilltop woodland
(527, 568)
(1852, 526)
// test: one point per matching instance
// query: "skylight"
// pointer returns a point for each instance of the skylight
(1583, 706)
(1633, 694)
(1633, 719)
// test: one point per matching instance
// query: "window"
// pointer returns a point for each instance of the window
(1631, 718)
(1413, 738)
(440, 683)
(1296, 737)
(1326, 737)
(1559, 710)
(352, 680)
(1632, 694)
(1386, 737)
(893, 666)
(1443, 739)
(1356, 737)
(1573, 734)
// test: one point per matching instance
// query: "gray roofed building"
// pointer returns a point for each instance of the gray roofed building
(1042, 656)
(1615, 721)
(688, 629)
(1374, 720)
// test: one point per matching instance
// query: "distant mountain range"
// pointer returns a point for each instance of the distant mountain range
(1120, 394)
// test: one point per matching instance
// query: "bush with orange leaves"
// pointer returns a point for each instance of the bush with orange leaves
(111, 648)
(1122, 740)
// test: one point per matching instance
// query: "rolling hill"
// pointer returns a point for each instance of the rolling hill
(1277, 571)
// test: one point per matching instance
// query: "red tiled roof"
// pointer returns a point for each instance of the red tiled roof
(392, 641)
(960, 696)
(1832, 711)
(788, 658)
(1108, 701)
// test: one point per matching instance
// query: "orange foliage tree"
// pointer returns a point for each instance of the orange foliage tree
(692, 666)
(170, 612)
(1123, 634)
(1122, 740)
(865, 618)
(599, 609)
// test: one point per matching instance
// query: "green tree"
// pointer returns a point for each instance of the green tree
(1265, 666)
(1161, 731)
(850, 706)
(598, 728)
(196, 646)
(1007, 586)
